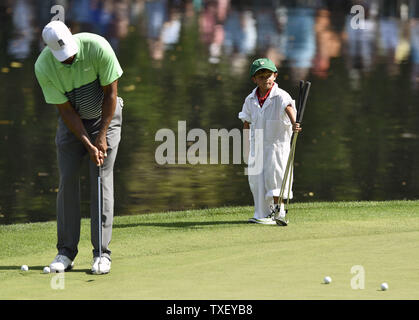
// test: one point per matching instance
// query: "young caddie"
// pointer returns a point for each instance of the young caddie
(270, 114)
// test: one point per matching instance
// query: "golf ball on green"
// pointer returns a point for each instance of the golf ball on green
(46, 270)
(384, 286)
(327, 280)
(24, 268)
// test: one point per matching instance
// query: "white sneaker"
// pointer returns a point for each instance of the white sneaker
(282, 211)
(280, 219)
(267, 220)
(61, 263)
(101, 265)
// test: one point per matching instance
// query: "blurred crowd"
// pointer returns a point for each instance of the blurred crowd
(302, 34)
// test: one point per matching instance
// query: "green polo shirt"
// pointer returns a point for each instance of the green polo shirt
(80, 83)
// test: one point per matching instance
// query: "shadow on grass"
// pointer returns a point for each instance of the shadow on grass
(40, 268)
(86, 271)
(17, 268)
(180, 224)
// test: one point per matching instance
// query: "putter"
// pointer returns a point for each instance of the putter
(300, 94)
(304, 89)
(99, 200)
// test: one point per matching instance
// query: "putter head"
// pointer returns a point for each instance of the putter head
(281, 221)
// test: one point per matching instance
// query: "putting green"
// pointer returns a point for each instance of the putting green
(216, 254)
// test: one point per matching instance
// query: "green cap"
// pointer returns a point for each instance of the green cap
(262, 63)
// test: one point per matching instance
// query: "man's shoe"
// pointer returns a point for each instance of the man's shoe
(101, 265)
(95, 265)
(61, 263)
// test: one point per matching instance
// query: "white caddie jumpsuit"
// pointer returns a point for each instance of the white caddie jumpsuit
(272, 150)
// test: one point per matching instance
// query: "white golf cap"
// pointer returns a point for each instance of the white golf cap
(59, 40)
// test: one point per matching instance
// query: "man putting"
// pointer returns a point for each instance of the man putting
(79, 74)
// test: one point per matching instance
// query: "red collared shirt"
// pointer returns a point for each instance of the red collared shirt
(263, 99)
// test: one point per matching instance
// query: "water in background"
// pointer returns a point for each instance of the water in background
(189, 61)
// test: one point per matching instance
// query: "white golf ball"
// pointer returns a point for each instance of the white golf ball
(384, 286)
(24, 268)
(46, 270)
(327, 280)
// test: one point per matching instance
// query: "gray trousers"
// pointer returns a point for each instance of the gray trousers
(71, 153)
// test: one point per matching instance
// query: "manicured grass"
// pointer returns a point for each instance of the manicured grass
(216, 254)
